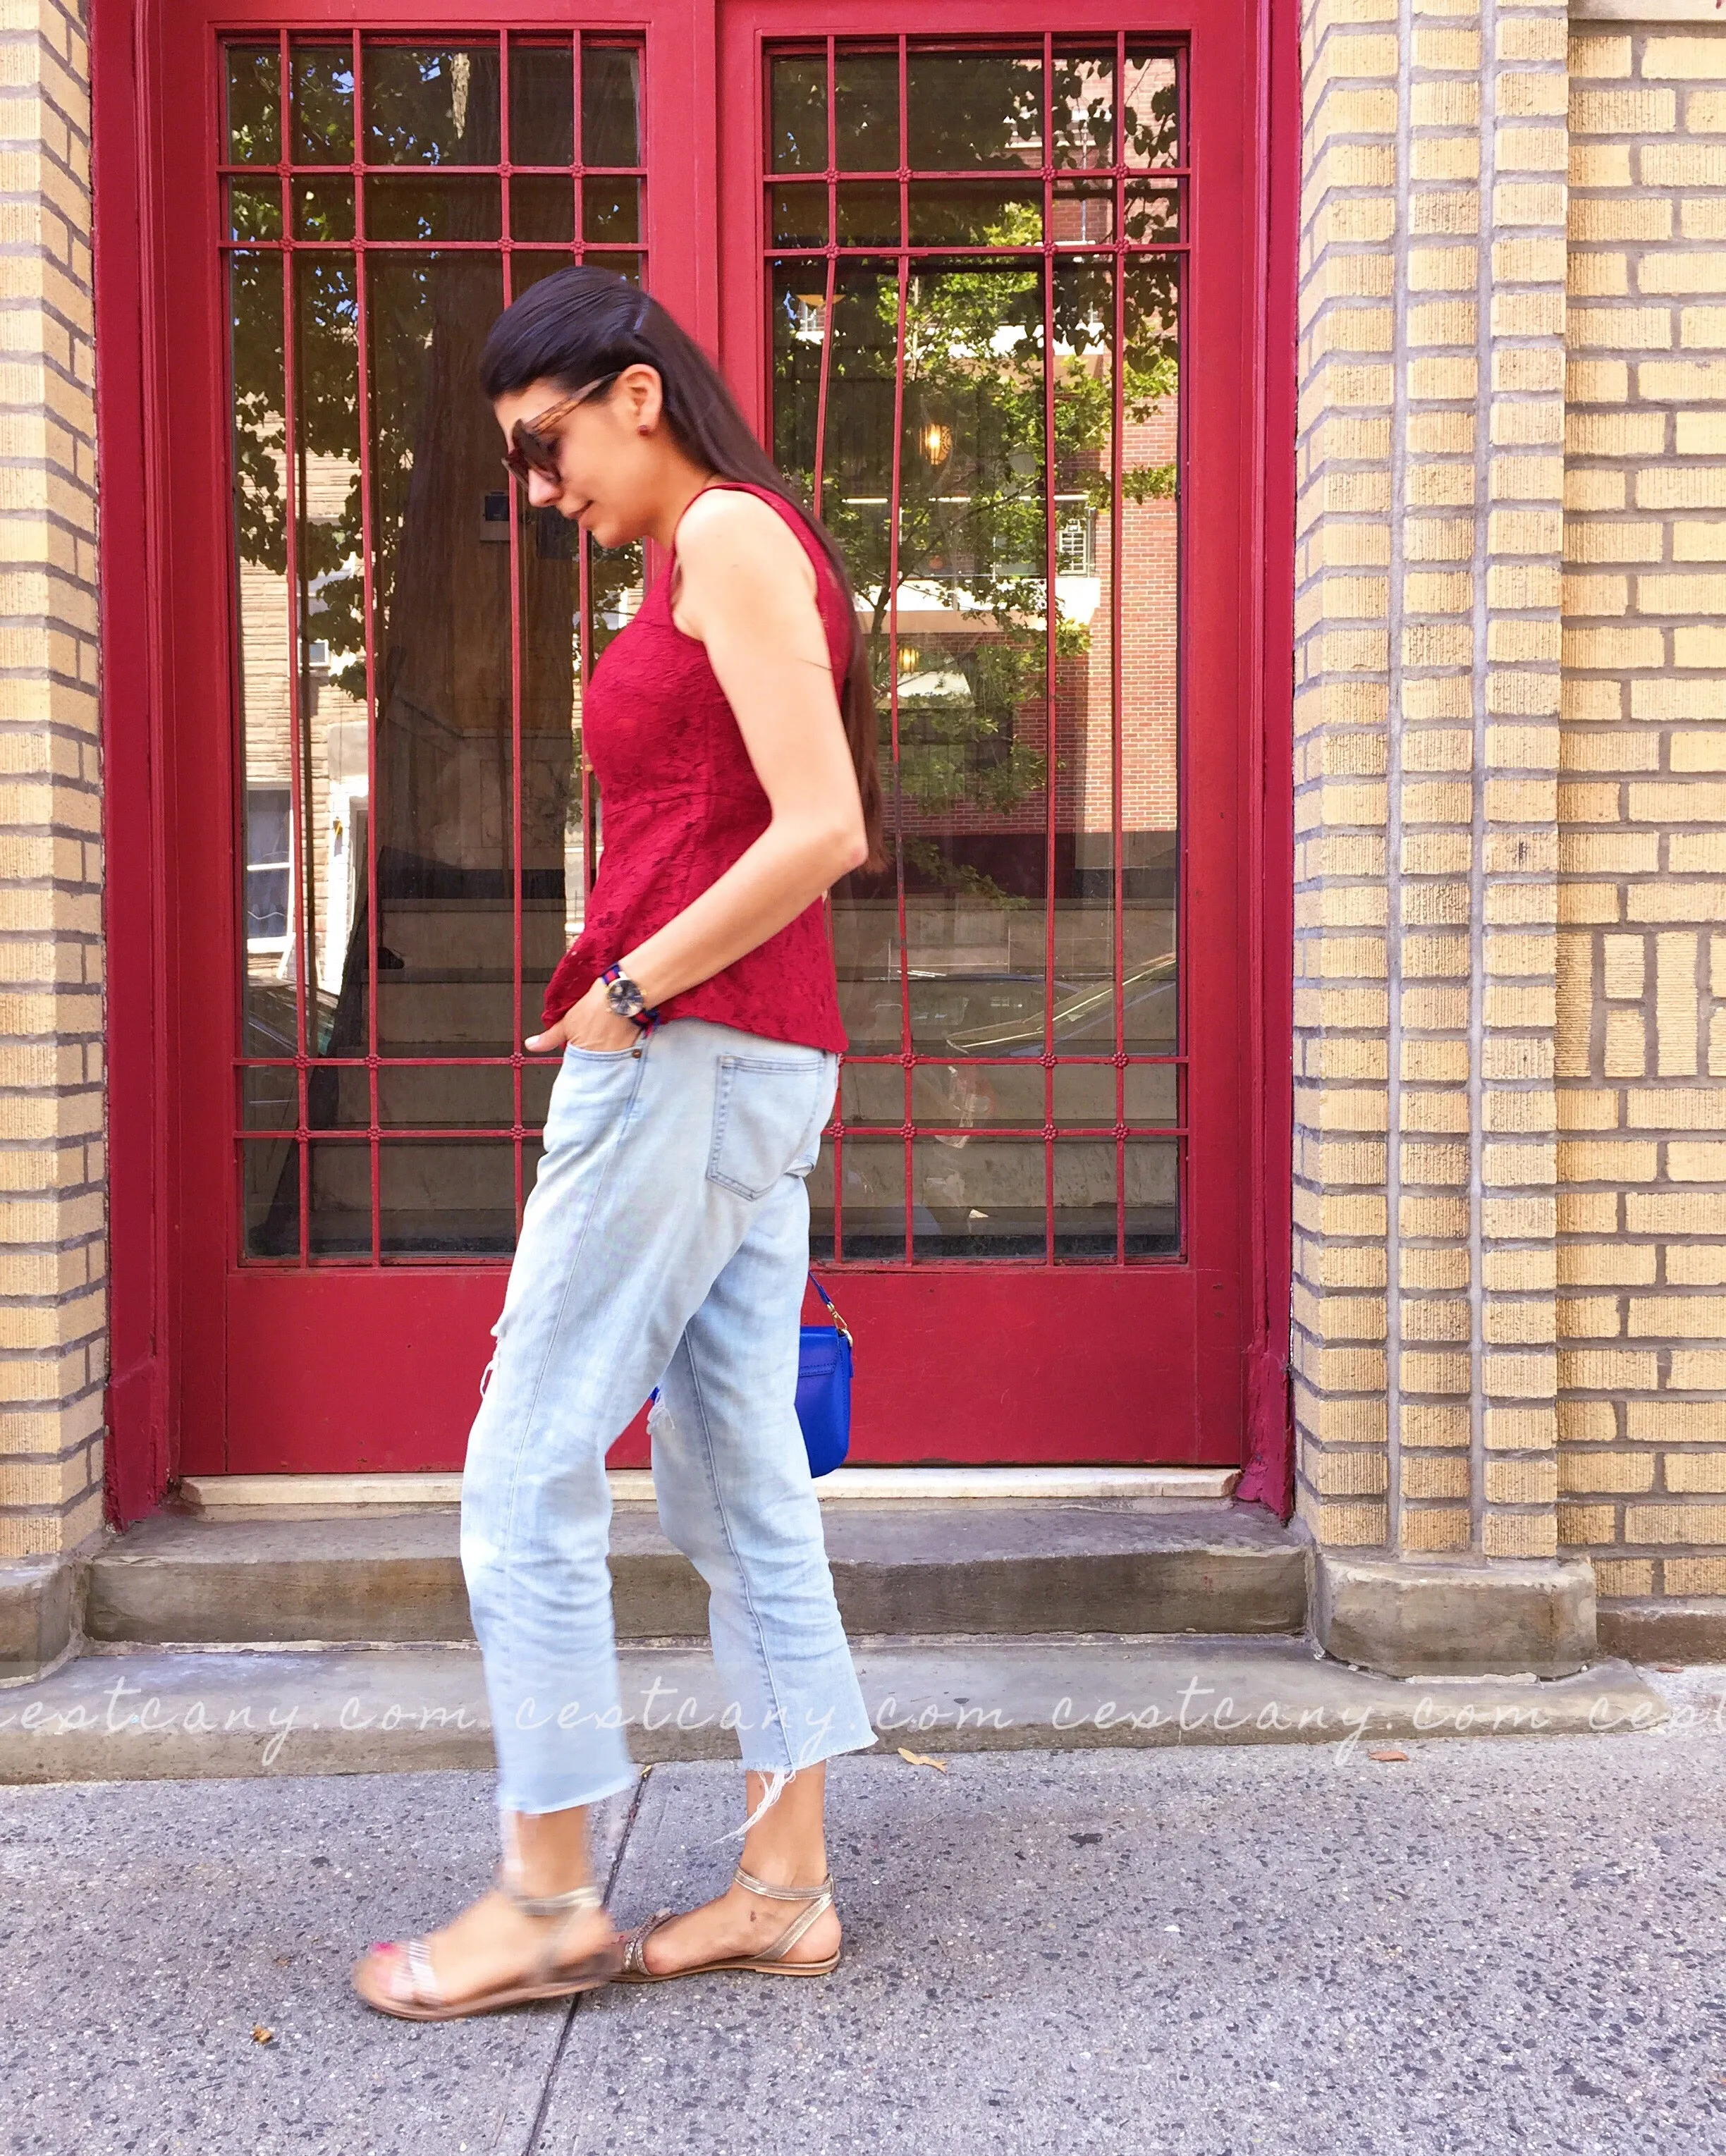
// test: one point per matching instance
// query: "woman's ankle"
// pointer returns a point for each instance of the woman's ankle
(547, 1853)
(789, 1868)
(788, 1846)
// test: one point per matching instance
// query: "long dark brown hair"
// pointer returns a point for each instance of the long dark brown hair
(581, 324)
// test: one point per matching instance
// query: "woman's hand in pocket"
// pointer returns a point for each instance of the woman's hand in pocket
(591, 1023)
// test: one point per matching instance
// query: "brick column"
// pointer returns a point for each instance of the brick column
(1432, 473)
(53, 1312)
(1642, 977)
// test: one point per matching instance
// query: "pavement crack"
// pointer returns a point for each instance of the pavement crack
(531, 2147)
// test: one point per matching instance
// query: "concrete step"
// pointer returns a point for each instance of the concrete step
(1123, 1566)
(151, 1715)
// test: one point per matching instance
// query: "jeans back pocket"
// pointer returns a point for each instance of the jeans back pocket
(768, 1115)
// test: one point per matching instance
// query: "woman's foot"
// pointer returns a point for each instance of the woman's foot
(737, 1923)
(496, 1945)
(491, 1946)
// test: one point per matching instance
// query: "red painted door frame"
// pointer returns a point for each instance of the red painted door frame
(176, 1290)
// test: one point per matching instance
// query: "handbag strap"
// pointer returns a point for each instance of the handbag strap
(839, 1323)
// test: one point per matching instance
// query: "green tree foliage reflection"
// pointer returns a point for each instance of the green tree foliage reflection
(971, 543)
(975, 512)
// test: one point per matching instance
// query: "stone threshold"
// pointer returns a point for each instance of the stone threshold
(151, 1715)
(251, 1494)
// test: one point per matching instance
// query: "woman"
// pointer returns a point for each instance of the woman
(665, 1241)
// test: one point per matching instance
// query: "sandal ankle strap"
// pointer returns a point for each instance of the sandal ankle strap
(782, 1893)
(548, 1905)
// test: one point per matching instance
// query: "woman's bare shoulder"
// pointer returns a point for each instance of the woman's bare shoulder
(727, 528)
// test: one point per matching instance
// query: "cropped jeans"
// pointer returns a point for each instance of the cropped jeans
(665, 1243)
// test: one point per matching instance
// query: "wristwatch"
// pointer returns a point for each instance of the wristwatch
(625, 999)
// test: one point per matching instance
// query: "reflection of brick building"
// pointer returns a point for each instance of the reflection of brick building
(265, 751)
(1150, 583)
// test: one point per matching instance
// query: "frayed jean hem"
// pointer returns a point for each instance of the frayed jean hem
(783, 1765)
(779, 1776)
(536, 1805)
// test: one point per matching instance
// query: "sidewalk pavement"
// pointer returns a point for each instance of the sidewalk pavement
(1512, 1943)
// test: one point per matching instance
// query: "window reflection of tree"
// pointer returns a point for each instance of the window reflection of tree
(442, 811)
(973, 509)
(972, 527)
(974, 516)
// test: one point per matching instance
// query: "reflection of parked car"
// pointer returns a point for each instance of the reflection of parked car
(943, 1006)
(1148, 993)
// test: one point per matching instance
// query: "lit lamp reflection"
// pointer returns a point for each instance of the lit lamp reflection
(935, 440)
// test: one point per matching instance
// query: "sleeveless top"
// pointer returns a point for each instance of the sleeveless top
(680, 804)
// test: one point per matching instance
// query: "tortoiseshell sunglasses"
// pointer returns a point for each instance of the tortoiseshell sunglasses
(530, 449)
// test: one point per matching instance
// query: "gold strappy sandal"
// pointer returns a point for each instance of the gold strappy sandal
(769, 1962)
(548, 1978)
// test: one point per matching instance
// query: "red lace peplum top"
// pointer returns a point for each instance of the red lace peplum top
(681, 802)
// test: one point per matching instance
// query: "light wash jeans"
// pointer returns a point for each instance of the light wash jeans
(665, 1242)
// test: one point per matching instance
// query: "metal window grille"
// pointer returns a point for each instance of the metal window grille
(416, 824)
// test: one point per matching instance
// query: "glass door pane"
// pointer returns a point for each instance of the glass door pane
(975, 370)
(416, 821)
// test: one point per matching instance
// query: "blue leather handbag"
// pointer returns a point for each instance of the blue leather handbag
(824, 1389)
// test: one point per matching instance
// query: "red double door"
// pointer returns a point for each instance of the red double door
(990, 285)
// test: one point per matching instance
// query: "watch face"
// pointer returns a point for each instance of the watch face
(625, 999)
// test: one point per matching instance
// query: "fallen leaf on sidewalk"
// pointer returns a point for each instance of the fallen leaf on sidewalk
(1387, 1752)
(921, 1759)
(260, 2035)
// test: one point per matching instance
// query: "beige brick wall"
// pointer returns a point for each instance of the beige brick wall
(1641, 1037)
(1429, 474)
(52, 1256)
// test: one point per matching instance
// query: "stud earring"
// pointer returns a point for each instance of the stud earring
(644, 428)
